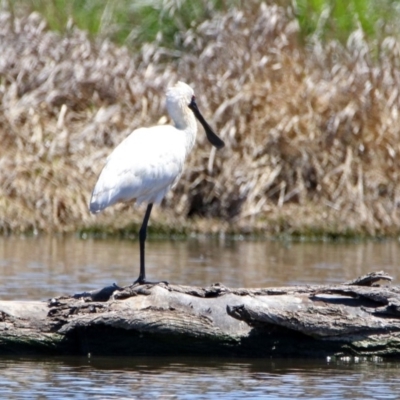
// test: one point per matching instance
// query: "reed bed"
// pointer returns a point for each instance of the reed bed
(311, 132)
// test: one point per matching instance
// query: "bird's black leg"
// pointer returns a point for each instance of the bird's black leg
(142, 238)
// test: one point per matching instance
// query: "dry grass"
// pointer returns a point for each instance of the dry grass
(312, 133)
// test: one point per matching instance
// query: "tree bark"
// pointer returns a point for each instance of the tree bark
(355, 318)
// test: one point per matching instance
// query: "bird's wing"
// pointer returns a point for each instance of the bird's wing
(143, 166)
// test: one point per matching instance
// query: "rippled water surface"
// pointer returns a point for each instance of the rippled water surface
(166, 378)
(40, 268)
(44, 267)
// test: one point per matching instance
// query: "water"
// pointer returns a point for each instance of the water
(174, 378)
(41, 268)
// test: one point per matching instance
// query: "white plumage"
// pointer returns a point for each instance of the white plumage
(131, 173)
(149, 162)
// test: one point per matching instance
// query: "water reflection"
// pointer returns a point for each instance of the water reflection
(39, 268)
(43, 267)
(194, 378)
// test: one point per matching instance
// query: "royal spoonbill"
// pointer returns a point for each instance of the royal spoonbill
(149, 162)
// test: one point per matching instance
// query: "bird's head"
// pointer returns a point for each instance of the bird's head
(180, 98)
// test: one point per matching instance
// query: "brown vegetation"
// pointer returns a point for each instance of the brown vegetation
(312, 132)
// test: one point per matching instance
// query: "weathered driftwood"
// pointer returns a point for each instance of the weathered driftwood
(354, 318)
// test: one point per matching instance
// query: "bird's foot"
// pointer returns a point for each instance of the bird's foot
(144, 281)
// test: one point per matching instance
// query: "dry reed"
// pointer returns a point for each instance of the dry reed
(312, 132)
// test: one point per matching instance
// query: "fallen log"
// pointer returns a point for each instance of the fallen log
(359, 317)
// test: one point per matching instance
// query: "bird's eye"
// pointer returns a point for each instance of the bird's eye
(193, 100)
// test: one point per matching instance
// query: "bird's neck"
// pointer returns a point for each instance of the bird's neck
(187, 123)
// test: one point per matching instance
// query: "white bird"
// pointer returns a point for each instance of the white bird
(149, 162)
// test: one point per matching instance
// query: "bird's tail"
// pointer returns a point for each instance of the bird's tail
(96, 204)
(95, 208)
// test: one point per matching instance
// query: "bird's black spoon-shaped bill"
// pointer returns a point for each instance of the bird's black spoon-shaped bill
(211, 136)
